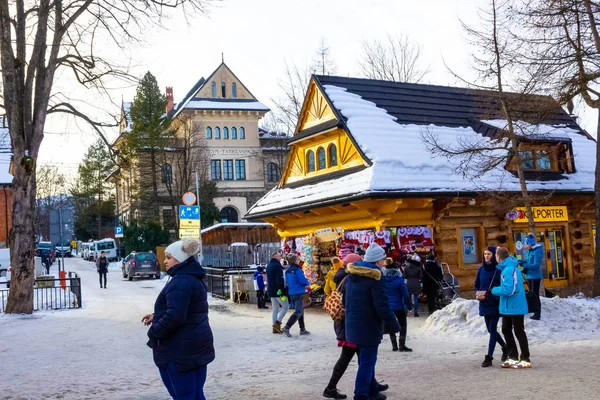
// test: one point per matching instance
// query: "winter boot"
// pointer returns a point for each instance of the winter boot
(382, 387)
(333, 394)
(286, 331)
(403, 344)
(487, 362)
(394, 342)
(277, 327)
(504, 354)
(378, 396)
(416, 314)
(304, 332)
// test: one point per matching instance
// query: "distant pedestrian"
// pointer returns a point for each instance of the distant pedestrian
(296, 283)
(399, 301)
(431, 282)
(488, 276)
(330, 284)
(259, 285)
(102, 268)
(277, 291)
(413, 273)
(367, 313)
(532, 267)
(180, 334)
(513, 307)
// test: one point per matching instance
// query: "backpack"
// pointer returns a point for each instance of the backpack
(334, 305)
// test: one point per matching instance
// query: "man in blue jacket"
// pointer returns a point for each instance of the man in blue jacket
(276, 289)
(532, 267)
(367, 311)
(259, 285)
(513, 307)
(296, 283)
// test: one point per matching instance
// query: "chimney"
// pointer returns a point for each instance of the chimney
(170, 102)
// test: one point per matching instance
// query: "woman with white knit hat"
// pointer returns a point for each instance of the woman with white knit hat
(180, 335)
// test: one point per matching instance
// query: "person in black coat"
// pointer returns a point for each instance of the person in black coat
(488, 276)
(276, 289)
(413, 274)
(431, 278)
(180, 335)
(102, 268)
(367, 312)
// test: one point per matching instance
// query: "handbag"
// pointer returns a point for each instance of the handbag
(482, 295)
(533, 301)
(333, 303)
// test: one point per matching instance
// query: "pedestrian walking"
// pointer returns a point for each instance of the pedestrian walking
(431, 282)
(330, 284)
(532, 267)
(488, 276)
(277, 291)
(399, 303)
(513, 307)
(296, 283)
(102, 268)
(367, 312)
(180, 335)
(259, 286)
(413, 273)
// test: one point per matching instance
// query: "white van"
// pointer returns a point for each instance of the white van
(87, 250)
(108, 246)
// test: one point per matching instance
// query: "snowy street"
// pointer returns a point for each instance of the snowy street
(100, 352)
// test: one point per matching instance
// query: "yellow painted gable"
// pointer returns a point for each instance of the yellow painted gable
(224, 75)
(315, 110)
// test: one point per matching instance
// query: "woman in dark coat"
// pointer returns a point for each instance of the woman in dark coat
(488, 276)
(431, 278)
(180, 335)
(413, 273)
(399, 303)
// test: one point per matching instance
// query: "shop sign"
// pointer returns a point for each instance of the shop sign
(326, 235)
(540, 214)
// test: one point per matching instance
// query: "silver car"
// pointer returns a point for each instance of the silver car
(141, 264)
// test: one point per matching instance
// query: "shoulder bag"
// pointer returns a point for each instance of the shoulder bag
(333, 303)
(482, 295)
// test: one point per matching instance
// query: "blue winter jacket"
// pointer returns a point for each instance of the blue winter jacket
(396, 289)
(533, 262)
(511, 290)
(483, 281)
(296, 281)
(260, 281)
(180, 332)
(367, 306)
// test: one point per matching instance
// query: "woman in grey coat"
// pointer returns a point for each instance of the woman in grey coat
(413, 273)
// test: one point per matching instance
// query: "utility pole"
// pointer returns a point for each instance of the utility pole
(199, 216)
(62, 252)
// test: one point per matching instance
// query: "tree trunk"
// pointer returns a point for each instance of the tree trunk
(597, 195)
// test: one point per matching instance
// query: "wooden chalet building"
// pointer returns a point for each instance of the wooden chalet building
(360, 170)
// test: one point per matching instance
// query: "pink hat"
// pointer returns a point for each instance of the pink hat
(351, 258)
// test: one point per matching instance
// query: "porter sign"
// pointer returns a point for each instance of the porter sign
(543, 214)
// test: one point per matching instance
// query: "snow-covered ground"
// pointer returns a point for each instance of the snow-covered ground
(99, 352)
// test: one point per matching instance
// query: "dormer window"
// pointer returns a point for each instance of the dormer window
(537, 156)
(536, 160)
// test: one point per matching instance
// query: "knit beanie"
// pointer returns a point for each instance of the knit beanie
(416, 258)
(183, 249)
(337, 263)
(351, 258)
(530, 239)
(374, 253)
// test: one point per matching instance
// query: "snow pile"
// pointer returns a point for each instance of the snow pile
(562, 319)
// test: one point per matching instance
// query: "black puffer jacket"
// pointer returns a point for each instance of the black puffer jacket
(180, 332)
(340, 326)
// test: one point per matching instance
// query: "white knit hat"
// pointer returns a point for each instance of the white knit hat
(416, 258)
(374, 253)
(183, 249)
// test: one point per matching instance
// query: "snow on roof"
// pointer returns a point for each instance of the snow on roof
(233, 225)
(226, 105)
(401, 161)
(5, 152)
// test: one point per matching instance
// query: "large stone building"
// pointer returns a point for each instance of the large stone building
(217, 121)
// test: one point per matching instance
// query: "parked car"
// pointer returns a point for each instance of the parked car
(108, 246)
(141, 264)
(50, 251)
(63, 249)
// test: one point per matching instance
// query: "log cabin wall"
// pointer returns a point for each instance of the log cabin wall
(248, 234)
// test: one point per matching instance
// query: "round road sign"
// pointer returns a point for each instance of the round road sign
(188, 198)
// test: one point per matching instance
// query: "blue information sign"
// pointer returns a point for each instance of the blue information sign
(189, 212)
(118, 231)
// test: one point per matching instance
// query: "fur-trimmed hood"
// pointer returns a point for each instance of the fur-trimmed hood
(365, 269)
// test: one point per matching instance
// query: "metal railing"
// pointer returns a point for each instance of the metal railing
(218, 281)
(52, 294)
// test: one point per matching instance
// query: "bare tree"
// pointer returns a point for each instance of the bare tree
(397, 59)
(38, 40)
(323, 63)
(49, 187)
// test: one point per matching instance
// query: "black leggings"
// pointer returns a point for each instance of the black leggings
(341, 365)
(401, 317)
(516, 323)
(431, 299)
(534, 286)
(102, 274)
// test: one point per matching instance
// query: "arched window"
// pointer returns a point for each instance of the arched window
(225, 133)
(228, 214)
(321, 158)
(332, 155)
(208, 132)
(234, 90)
(223, 89)
(213, 89)
(217, 132)
(242, 133)
(167, 174)
(310, 161)
(272, 172)
(233, 132)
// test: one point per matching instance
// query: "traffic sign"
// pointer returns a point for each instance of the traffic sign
(189, 223)
(188, 198)
(189, 212)
(193, 233)
(118, 231)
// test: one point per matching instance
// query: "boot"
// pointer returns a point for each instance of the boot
(277, 327)
(378, 396)
(487, 362)
(333, 394)
(394, 342)
(403, 344)
(416, 314)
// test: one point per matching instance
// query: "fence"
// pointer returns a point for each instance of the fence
(218, 282)
(237, 255)
(48, 294)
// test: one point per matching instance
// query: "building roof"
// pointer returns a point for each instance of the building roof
(387, 121)
(5, 152)
(235, 225)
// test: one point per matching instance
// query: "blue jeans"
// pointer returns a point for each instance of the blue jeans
(491, 323)
(366, 384)
(416, 303)
(298, 315)
(187, 385)
(280, 308)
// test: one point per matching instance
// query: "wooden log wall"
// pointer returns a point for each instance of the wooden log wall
(247, 234)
